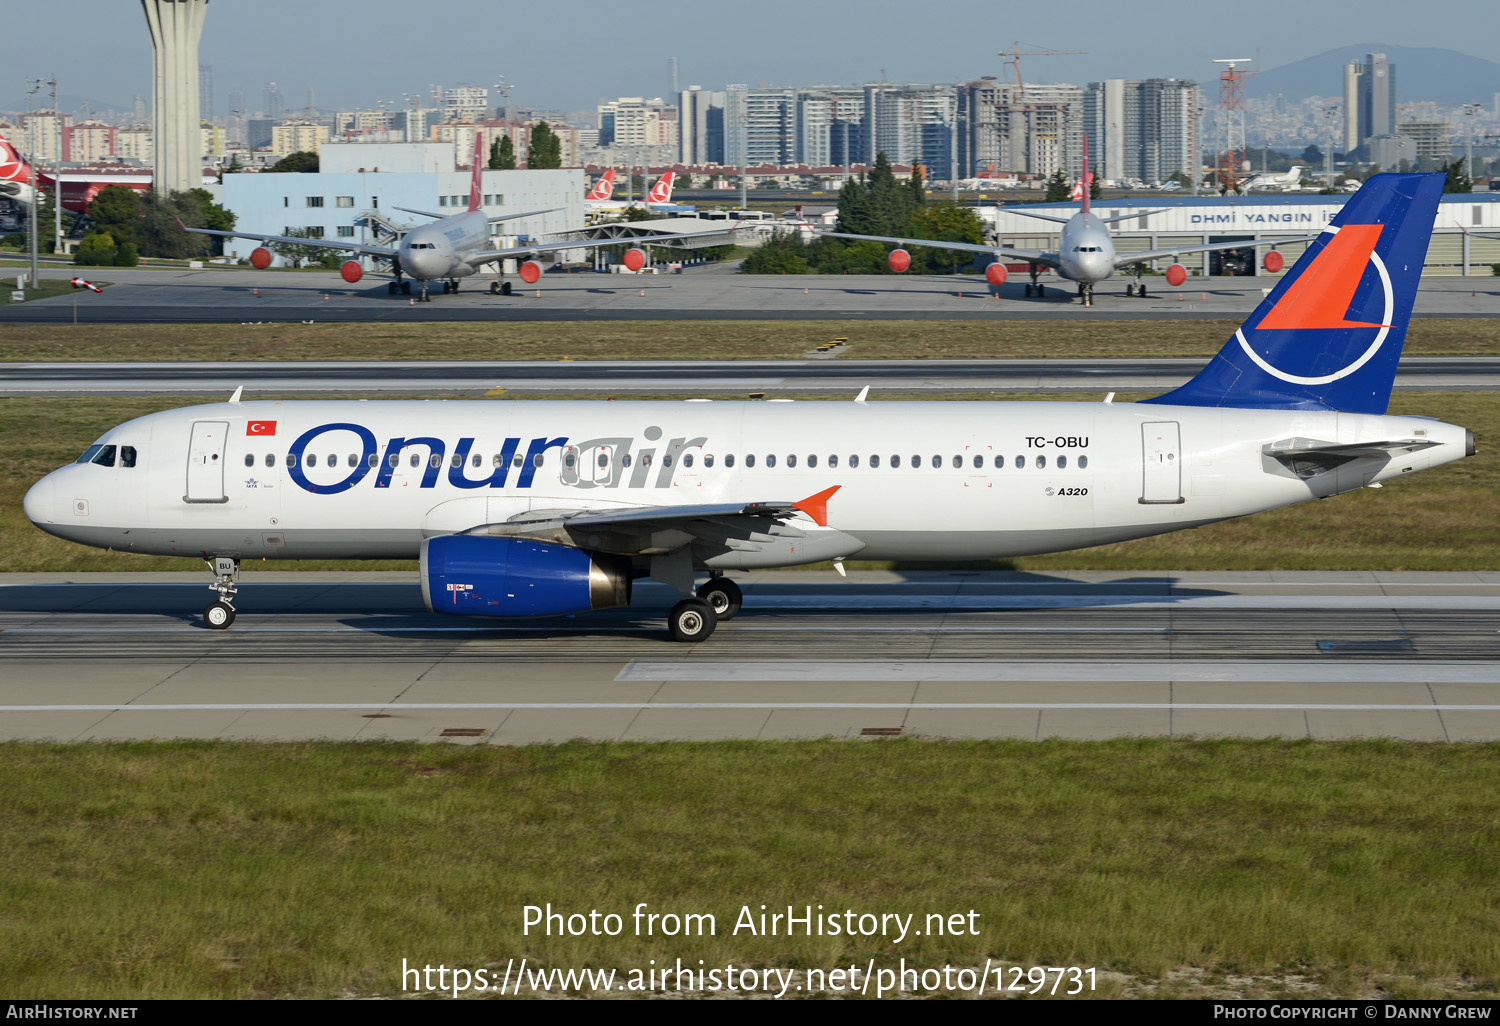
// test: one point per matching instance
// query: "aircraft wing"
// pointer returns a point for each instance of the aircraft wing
(1129, 259)
(536, 248)
(639, 529)
(348, 247)
(1031, 256)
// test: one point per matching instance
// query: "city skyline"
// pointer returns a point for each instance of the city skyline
(350, 56)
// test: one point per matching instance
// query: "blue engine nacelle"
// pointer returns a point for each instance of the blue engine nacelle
(472, 575)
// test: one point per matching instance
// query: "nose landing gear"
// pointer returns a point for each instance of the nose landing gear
(219, 614)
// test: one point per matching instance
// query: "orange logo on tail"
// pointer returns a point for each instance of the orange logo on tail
(1320, 297)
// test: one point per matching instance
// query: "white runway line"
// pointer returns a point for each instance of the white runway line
(1269, 671)
(555, 706)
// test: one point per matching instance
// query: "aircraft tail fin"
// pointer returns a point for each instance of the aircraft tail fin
(661, 192)
(603, 188)
(12, 167)
(476, 185)
(1329, 335)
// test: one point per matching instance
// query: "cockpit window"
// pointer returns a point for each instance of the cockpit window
(89, 454)
(127, 456)
(105, 457)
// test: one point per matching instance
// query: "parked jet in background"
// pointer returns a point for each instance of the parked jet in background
(546, 508)
(659, 194)
(19, 181)
(1289, 182)
(1085, 253)
(602, 189)
(448, 249)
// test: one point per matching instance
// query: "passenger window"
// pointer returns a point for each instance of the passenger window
(569, 459)
(625, 460)
(1041, 463)
(833, 461)
(708, 460)
(603, 461)
(645, 459)
(687, 460)
(666, 460)
(1083, 462)
(791, 461)
(105, 457)
(771, 460)
(249, 459)
(750, 460)
(874, 461)
(978, 462)
(854, 461)
(895, 461)
(476, 460)
(937, 463)
(497, 460)
(374, 461)
(456, 462)
(270, 459)
(435, 461)
(1020, 462)
(916, 462)
(812, 462)
(729, 460)
(536, 461)
(332, 461)
(1062, 463)
(958, 462)
(519, 460)
(291, 459)
(353, 460)
(393, 459)
(999, 462)
(312, 459)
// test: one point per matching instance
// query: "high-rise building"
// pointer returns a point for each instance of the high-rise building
(275, 105)
(830, 126)
(206, 91)
(177, 155)
(1145, 129)
(760, 126)
(700, 131)
(911, 124)
(1369, 100)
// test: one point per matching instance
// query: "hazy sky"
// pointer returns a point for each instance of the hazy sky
(569, 55)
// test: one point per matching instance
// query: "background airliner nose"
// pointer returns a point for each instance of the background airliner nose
(40, 504)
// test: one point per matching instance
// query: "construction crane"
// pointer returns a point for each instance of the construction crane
(1015, 53)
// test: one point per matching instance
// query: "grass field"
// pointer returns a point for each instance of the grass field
(1442, 519)
(310, 870)
(651, 340)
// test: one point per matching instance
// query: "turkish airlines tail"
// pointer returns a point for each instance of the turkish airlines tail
(14, 169)
(661, 192)
(603, 188)
(1329, 335)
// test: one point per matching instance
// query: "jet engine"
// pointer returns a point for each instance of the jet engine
(260, 258)
(1273, 261)
(635, 259)
(475, 575)
(530, 272)
(351, 271)
(899, 260)
(1176, 275)
(995, 274)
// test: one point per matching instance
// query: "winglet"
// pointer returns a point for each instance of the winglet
(863, 394)
(816, 506)
(237, 392)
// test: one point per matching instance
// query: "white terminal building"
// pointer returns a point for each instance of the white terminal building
(1196, 220)
(356, 195)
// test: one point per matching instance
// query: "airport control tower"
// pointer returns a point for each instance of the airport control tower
(176, 141)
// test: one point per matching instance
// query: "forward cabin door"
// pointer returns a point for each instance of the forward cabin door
(1161, 445)
(205, 469)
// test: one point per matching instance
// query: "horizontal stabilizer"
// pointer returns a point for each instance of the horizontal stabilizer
(1308, 458)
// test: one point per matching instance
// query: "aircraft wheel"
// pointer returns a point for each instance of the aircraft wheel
(405, 287)
(390, 288)
(494, 288)
(505, 288)
(691, 620)
(1141, 292)
(724, 596)
(1041, 291)
(455, 286)
(1130, 288)
(218, 616)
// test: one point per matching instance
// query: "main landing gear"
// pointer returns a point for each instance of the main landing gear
(1036, 288)
(400, 285)
(500, 288)
(219, 614)
(694, 619)
(451, 285)
(1137, 287)
(723, 595)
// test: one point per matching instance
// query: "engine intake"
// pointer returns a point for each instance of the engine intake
(473, 575)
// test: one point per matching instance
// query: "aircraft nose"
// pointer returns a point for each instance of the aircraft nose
(40, 504)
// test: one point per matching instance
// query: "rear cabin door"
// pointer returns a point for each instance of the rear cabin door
(205, 469)
(1161, 445)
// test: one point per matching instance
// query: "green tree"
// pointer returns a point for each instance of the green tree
(507, 155)
(545, 150)
(96, 250)
(944, 222)
(116, 211)
(783, 253)
(295, 163)
(1312, 156)
(1096, 190)
(1458, 177)
(309, 252)
(1058, 189)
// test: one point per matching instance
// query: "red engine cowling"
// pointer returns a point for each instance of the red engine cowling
(530, 272)
(1273, 261)
(351, 271)
(1176, 275)
(635, 259)
(260, 258)
(899, 260)
(995, 274)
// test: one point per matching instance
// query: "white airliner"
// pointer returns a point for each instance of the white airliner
(450, 248)
(659, 194)
(1085, 252)
(542, 508)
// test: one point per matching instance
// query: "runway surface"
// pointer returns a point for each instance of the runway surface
(664, 376)
(215, 295)
(928, 654)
